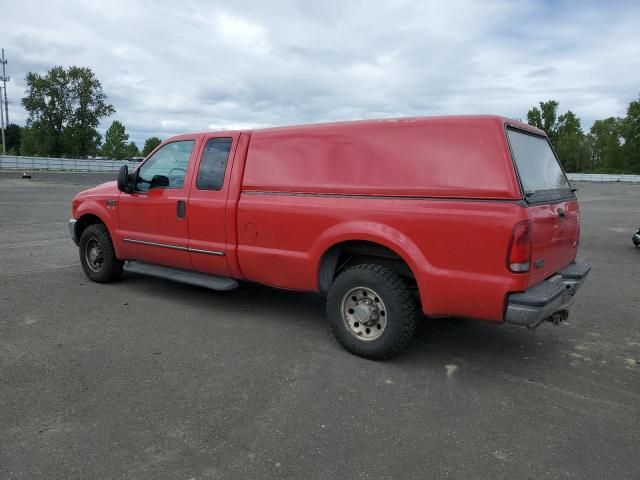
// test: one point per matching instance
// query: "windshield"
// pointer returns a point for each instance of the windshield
(539, 170)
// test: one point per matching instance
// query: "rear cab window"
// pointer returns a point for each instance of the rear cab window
(213, 164)
(540, 173)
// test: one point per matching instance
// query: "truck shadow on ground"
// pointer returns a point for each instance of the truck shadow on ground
(434, 336)
(472, 338)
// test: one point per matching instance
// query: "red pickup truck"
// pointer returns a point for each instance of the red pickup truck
(468, 217)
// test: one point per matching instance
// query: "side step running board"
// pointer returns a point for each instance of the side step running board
(183, 276)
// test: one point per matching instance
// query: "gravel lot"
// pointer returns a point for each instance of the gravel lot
(146, 379)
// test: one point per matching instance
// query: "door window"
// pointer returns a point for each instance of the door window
(213, 164)
(166, 168)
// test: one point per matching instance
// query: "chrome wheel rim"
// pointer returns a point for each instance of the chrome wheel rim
(93, 255)
(364, 313)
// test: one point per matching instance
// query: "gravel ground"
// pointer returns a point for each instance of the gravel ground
(146, 379)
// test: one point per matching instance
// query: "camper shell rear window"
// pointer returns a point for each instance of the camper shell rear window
(539, 170)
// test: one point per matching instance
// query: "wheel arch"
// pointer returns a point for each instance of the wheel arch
(92, 216)
(86, 220)
(369, 241)
(352, 252)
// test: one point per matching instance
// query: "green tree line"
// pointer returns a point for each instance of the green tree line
(65, 107)
(611, 145)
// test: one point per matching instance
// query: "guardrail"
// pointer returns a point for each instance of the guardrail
(602, 177)
(13, 162)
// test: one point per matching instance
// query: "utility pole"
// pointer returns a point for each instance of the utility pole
(4, 80)
(4, 143)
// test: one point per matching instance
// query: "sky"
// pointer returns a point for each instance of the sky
(174, 67)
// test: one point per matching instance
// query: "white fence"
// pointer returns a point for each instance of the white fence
(10, 162)
(602, 177)
(87, 165)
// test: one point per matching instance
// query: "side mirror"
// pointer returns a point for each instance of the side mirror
(123, 179)
(159, 181)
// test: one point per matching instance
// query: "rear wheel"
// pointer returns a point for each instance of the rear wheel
(97, 255)
(372, 311)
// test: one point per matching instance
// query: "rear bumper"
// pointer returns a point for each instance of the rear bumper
(546, 298)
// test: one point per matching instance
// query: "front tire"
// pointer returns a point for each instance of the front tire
(372, 311)
(97, 255)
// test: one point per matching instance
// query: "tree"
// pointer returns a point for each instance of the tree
(630, 130)
(115, 142)
(132, 150)
(570, 143)
(149, 145)
(48, 106)
(88, 107)
(65, 107)
(28, 142)
(545, 118)
(12, 136)
(565, 134)
(605, 144)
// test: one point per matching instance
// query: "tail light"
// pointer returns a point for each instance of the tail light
(519, 256)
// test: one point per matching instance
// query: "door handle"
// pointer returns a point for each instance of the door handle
(181, 209)
(561, 212)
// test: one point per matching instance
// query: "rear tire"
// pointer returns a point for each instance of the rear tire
(372, 311)
(97, 255)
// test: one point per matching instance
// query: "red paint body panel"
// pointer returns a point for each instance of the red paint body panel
(555, 240)
(152, 218)
(231, 217)
(459, 157)
(456, 249)
(94, 202)
(442, 193)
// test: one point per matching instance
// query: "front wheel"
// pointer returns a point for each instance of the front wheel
(97, 255)
(372, 311)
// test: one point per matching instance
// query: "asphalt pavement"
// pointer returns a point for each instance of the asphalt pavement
(148, 379)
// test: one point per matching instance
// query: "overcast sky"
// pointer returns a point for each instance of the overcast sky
(172, 67)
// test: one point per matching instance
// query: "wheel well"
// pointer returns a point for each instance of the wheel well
(84, 221)
(355, 252)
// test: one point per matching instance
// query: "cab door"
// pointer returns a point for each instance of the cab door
(208, 203)
(152, 219)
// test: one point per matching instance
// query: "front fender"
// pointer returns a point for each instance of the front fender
(105, 211)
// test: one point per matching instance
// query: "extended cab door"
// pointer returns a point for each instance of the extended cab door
(152, 219)
(207, 207)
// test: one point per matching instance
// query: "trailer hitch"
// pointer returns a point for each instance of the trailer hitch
(556, 318)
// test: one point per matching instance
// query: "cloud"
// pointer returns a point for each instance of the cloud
(171, 67)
